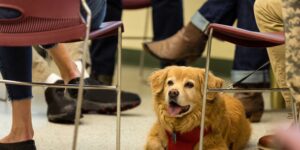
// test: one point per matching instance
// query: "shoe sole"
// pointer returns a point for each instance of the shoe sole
(65, 118)
(146, 48)
(190, 58)
(264, 148)
(105, 108)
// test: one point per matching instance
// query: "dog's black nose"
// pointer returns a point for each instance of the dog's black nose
(173, 93)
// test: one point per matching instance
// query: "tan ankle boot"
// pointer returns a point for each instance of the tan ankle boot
(187, 44)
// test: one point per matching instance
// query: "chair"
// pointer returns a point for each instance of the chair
(133, 5)
(244, 38)
(40, 24)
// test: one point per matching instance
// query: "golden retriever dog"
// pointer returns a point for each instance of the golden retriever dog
(177, 104)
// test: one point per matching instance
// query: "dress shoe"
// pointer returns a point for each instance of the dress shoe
(253, 103)
(104, 79)
(269, 142)
(61, 109)
(105, 101)
(74, 92)
(24, 145)
(187, 44)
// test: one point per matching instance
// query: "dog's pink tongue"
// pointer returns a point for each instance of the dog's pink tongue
(173, 111)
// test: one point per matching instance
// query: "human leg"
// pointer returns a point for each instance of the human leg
(60, 109)
(290, 17)
(189, 42)
(66, 66)
(165, 26)
(103, 51)
(247, 60)
(269, 18)
(21, 130)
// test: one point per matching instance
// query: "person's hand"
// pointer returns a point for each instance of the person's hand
(289, 139)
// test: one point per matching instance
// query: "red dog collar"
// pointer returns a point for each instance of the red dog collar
(185, 141)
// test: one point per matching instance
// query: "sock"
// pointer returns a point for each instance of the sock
(52, 78)
(200, 22)
(79, 66)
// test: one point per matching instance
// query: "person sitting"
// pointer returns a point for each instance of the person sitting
(270, 18)
(21, 134)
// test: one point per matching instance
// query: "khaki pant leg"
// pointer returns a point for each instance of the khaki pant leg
(40, 68)
(268, 14)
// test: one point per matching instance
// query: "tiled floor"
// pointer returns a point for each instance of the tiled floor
(97, 132)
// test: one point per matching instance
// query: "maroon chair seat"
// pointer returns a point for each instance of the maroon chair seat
(136, 4)
(47, 22)
(246, 38)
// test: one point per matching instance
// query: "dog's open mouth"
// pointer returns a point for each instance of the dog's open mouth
(174, 109)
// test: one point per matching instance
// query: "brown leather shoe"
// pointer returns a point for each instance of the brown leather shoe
(187, 44)
(269, 142)
(253, 104)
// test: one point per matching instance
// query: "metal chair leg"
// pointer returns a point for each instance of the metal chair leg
(118, 86)
(295, 111)
(142, 56)
(81, 82)
(205, 89)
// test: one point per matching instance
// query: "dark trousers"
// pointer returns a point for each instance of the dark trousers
(16, 64)
(246, 59)
(103, 51)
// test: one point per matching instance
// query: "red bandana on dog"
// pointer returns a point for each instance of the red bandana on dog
(185, 141)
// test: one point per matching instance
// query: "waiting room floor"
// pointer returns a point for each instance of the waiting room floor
(97, 132)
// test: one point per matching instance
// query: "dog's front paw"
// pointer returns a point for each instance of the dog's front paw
(154, 145)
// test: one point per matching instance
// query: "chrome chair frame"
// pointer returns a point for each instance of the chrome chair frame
(81, 86)
(231, 90)
(142, 55)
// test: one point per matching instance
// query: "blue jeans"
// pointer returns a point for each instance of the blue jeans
(165, 26)
(103, 51)
(246, 59)
(16, 62)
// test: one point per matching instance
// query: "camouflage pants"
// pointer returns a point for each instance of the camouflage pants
(291, 17)
(268, 15)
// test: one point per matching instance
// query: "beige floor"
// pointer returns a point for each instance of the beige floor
(97, 132)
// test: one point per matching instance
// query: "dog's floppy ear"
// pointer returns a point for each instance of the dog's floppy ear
(213, 82)
(157, 80)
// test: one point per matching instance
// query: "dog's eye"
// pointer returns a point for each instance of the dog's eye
(189, 85)
(170, 83)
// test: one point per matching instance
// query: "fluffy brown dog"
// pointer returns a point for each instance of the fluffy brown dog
(177, 104)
